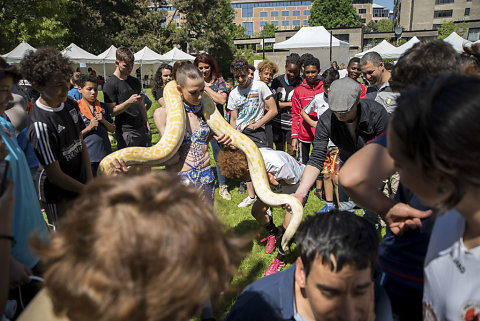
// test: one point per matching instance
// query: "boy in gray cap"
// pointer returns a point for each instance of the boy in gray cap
(350, 123)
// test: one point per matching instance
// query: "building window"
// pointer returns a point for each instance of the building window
(274, 14)
(362, 1)
(360, 11)
(467, 11)
(247, 12)
(443, 1)
(285, 13)
(285, 23)
(474, 34)
(249, 28)
(442, 13)
(274, 22)
(296, 22)
(263, 23)
(305, 22)
(263, 14)
(306, 12)
(295, 13)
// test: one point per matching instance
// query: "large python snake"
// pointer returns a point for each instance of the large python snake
(172, 139)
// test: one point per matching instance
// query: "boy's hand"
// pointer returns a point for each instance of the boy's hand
(135, 99)
(295, 144)
(223, 139)
(93, 123)
(119, 166)
(98, 116)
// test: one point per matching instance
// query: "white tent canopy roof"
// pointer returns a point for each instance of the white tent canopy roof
(382, 48)
(176, 54)
(398, 51)
(457, 42)
(147, 56)
(310, 37)
(79, 55)
(18, 52)
(109, 55)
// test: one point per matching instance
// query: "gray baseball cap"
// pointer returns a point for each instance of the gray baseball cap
(343, 94)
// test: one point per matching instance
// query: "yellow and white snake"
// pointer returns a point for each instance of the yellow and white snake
(173, 137)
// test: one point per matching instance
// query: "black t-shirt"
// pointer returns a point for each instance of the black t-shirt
(55, 135)
(117, 91)
(159, 93)
(284, 93)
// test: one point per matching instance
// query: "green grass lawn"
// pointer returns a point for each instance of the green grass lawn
(240, 222)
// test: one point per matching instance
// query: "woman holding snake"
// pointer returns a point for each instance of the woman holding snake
(217, 89)
(192, 161)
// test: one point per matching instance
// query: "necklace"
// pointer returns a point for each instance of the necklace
(194, 109)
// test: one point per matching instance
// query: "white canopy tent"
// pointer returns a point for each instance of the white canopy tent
(176, 54)
(108, 57)
(147, 56)
(18, 52)
(382, 48)
(79, 55)
(316, 40)
(398, 51)
(457, 42)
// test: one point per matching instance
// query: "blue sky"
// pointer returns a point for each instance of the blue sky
(385, 3)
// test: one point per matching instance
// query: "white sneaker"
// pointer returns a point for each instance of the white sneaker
(247, 202)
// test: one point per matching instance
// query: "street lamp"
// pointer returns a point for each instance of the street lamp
(398, 33)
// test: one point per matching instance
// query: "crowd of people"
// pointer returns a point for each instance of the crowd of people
(147, 245)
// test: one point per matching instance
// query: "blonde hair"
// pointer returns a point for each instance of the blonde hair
(267, 64)
(137, 248)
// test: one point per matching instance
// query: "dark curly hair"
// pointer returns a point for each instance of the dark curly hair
(294, 59)
(157, 79)
(424, 60)
(239, 65)
(45, 64)
(86, 78)
(7, 70)
(329, 76)
(311, 61)
(470, 61)
(233, 164)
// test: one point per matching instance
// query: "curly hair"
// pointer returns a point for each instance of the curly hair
(7, 70)
(239, 65)
(311, 61)
(157, 79)
(470, 60)
(294, 59)
(148, 248)
(41, 66)
(233, 164)
(267, 64)
(86, 78)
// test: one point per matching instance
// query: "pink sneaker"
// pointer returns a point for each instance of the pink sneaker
(271, 241)
(275, 267)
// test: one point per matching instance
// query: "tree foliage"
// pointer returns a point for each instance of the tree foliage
(334, 14)
(370, 27)
(384, 25)
(268, 30)
(449, 26)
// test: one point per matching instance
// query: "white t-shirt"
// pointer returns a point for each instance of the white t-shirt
(283, 166)
(319, 104)
(343, 73)
(452, 273)
(250, 103)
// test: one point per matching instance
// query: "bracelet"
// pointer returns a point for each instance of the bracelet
(8, 237)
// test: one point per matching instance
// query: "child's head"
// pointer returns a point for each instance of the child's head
(304, 57)
(293, 65)
(329, 76)
(74, 80)
(233, 164)
(8, 76)
(88, 87)
(148, 248)
(124, 60)
(433, 139)
(311, 69)
(266, 70)
(230, 83)
(190, 83)
(239, 68)
(251, 71)
(49, 73)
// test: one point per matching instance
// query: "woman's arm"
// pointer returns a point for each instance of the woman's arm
(218, 97)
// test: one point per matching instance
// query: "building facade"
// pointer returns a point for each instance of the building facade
(430, 14)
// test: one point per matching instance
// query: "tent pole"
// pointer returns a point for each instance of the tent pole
(331, 45)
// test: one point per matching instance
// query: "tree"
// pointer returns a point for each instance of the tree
(206, 27)
(370, 27)
(237, 31)
(449, 26)
(40, 23)
(334, 14)
(384, 25)
(268, 30)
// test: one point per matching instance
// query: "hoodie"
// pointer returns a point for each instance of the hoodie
(302, 95)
